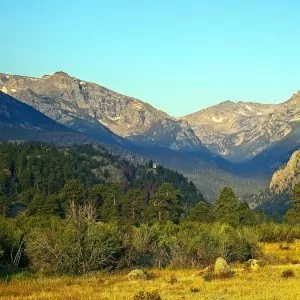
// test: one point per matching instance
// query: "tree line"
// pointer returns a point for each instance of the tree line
(38, 179)
(80, 209)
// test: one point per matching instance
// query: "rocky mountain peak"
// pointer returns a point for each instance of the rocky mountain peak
(66, 99)
(241, 130)
(61, 74)
(294, 101)
(228, 104)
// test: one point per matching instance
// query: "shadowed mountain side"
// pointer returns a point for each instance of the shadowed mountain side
(267, 162)
(209, 174)
(19, 121)
(59, 138)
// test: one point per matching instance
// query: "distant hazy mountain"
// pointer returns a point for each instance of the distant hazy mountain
(91, 108)
(240, 131)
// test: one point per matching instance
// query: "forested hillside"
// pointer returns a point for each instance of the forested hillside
(42, 179)
(78, 209)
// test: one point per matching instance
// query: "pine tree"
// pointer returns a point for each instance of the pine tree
(226, 209)
(165, 203)
(246, 215)
(201, 212)
(134, 206)
(42, 205)
(293, 214)
(73, 191)
(111, 207)
(95, 195)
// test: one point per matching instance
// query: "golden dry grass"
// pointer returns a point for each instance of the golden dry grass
(273, 250)
(265, 283)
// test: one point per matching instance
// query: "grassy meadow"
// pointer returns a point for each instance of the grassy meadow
(265, 283)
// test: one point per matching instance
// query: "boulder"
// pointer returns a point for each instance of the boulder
(252, 264)
(221, 267)
(136, 274)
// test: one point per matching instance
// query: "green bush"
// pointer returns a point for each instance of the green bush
(191, 244)
(11, 245)
(272, 232)
(75, 247)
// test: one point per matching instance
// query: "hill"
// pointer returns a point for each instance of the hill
(38, 176)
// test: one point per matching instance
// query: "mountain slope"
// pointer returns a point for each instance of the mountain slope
(89, 107)
(14, 112)
(19, 121)
(277, 154)
(284, 179)
(242, 130)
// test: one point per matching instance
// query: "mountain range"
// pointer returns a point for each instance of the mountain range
(240, 131)
(239, 144)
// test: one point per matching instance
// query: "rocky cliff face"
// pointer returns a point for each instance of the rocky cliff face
(87, 107)
(239, 131)
(287, 176)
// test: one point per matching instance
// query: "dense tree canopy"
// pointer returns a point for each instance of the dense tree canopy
(43, 179)
(293, 214)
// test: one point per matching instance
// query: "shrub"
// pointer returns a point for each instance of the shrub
(284, 247)
(11, 246)
(287, 273)
(194, 290)
(173, 279)
(147, 296)
(190, 244)
(75, 247)
(272, 232)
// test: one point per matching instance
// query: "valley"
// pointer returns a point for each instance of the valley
(237, 144)
(149, 150)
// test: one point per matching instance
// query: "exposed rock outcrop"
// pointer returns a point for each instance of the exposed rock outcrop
(287, 176)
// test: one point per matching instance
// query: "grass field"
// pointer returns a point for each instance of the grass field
(265, 283)
(283, 252)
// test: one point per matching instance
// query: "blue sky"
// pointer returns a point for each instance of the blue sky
(180, 56)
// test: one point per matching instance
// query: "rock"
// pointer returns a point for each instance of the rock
(252, 264)
(204, 272)
(137, 274)
(287, 176)
(221, 267)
